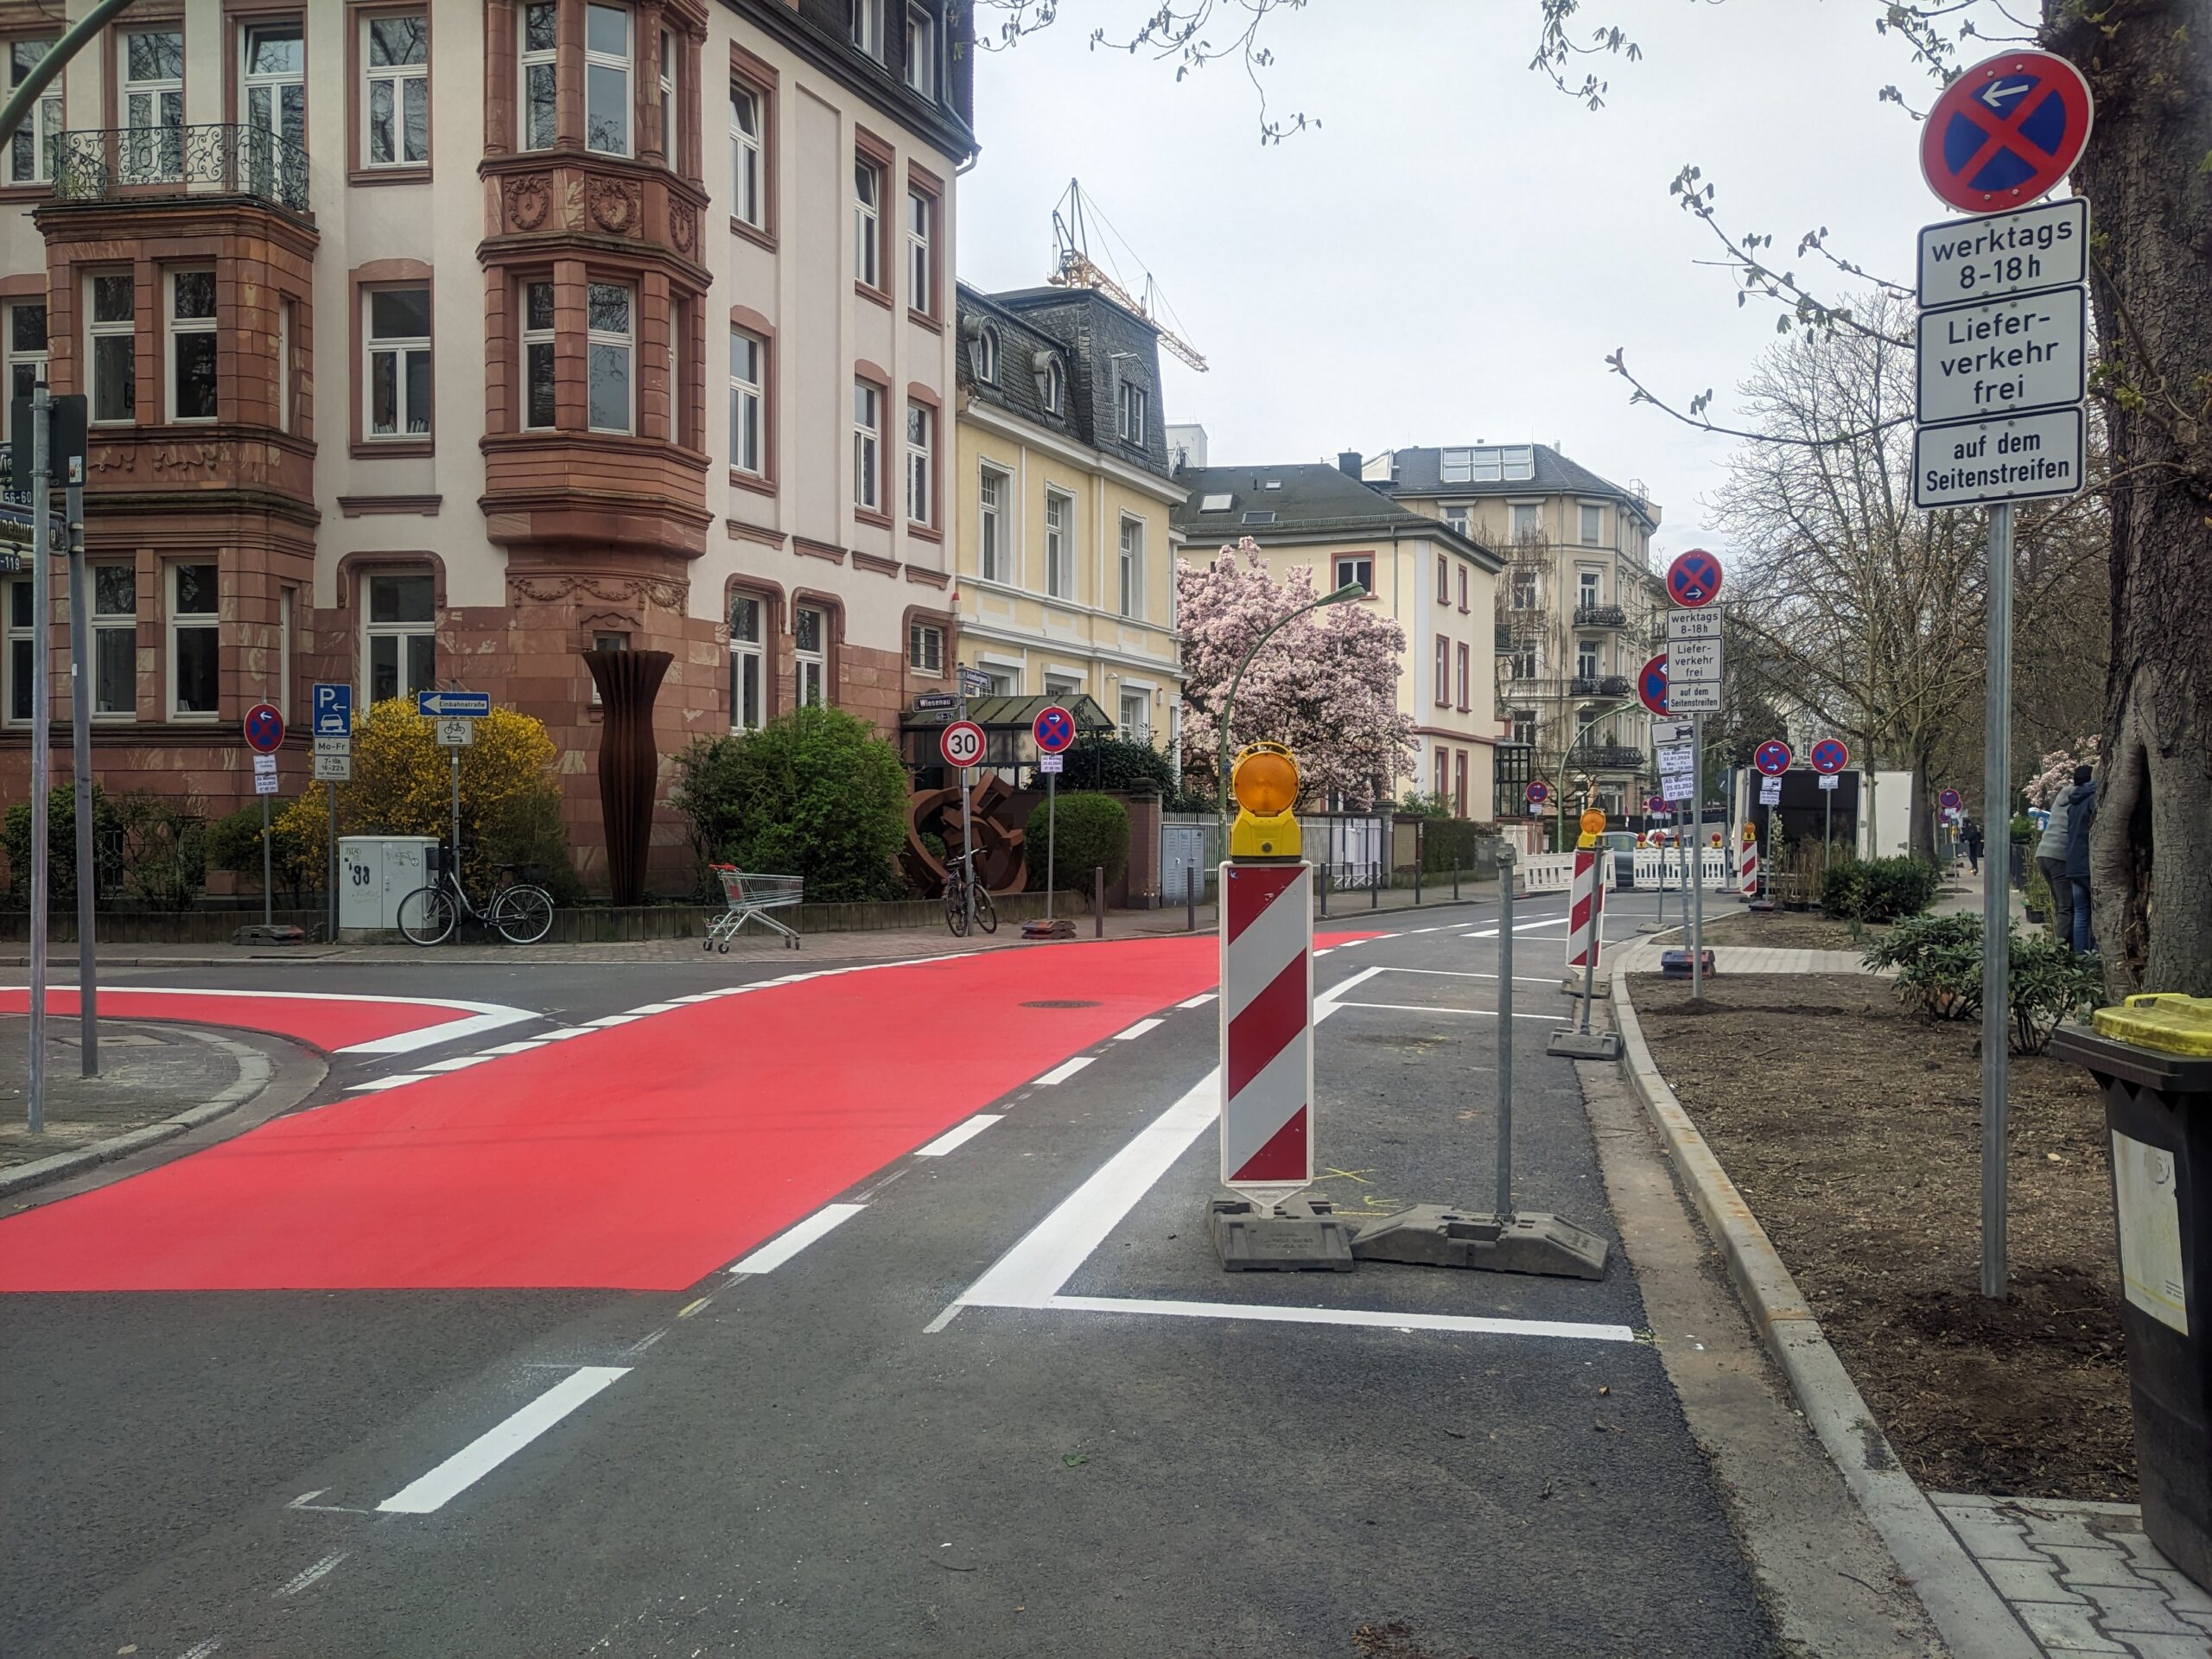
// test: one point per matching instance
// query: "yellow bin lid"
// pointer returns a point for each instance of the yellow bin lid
(2160, 1019)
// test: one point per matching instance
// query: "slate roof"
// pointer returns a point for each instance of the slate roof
(1419, 472)
(1098, 344)
(1308, 500)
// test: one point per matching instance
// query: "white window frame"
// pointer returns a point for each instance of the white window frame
(994, 544)
(668, 98)
(608, 339)
(1528, 590)
(401, 633)
(13, 634)
(623, 63)
(34, 139)
(527, 59)
(95, 331)
(921, 231)
(1130, 566)
(864, 18)
(35, 361)
(173, 327)
(1059, 544)
(175, 623)
(920, 68)
(868, 446)
(1443, 672)
(107, 623)
(926, 648)
(986, 355)
(1593, 653)
(1591, 521)
(1140, 729)
(921, 464)
(1055, 392)
(271, 81)
(811, 667)
(1356, 567)
(1588, 586)
(150, 160)
(1527, 518)
(747, 155)
(402, 349)
(539, 337)
(1455, 518)
(747, 406)
(748, 665)
(1462, 668)
(397, 79)
(868, 180)
(1130, 411)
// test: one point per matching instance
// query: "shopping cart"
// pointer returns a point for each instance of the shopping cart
(751, 898)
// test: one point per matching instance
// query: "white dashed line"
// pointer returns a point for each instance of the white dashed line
(1066, 1069)
(610, 1020)
(316, 1574)
(376, 1083)
(653, 1007)
(1197, 1002)
(789, 1242)
(959, 1135)
(494, 1447)
(523, 1047)
(459, 1062)
(1136, 1031)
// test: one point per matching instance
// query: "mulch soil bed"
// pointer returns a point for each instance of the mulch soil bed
(1785, 929)
(1853, 1126)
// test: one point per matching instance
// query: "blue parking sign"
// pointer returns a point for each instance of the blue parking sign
(332, 707)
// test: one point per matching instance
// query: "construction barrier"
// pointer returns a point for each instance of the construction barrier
(1267, 1025)
(1586, 911)
(1747, 864)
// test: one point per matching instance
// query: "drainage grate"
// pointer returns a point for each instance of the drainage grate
(1059, 1005)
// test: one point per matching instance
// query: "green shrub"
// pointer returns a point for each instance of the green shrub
(1938, 959)
(815, 794)
(1112, 763)
(60, 842)
(1879, 889)
(1420, 805)
(164, 851)
(1094, 831)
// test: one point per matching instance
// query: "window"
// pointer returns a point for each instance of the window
(287, 600)
(924, 648)
(867, 222)
(748, 358)
(921, 464)
(921, 209)
(1443, 580)
(986, 355)
(1460, 785)
(22, 651)
(1132, 567)
(1443, 769)
(153, 105)
(921, 51)
(1524, 726)
(1059, 545)
(679, 375)
(537, 406)
(867, 447)
(1005, 682)
(992, 489)
(1443, 671)
(115, 639)
(1593, 524)
(1455, 518)
(1360, 570)
(1525, 518)
(1586, 659)
(668, 98)
(540, 75)
(400, 643)
(1129, 400)
(1455, 466)
(1586, 591)
(396, 107)
(26, 341)
(195, 631)
(1461, 657)
(607, 341)
(810, 646)
(1463, 588)
(1055, 392)
(30, 150)
(746, 711)
(1136, 717)
(607, 79)
(1517, 463)
(192, 345)
(1521, 665)
(745, 158)
(865, 17)
(1524, 590)
(398, 377)
(273, 78)
(285, 309)
(112, 333)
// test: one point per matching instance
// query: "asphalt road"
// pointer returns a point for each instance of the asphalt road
(858, 1450)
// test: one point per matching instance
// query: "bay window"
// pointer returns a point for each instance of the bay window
(537, 403)
(607, 79)
(194, 641)
(191, 327)
(540, 75)
(610, 341)
(115, 639)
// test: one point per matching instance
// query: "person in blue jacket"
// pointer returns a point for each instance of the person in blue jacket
(2080, 813)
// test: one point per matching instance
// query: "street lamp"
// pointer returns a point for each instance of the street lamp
(1350, 590)
(1568, 754)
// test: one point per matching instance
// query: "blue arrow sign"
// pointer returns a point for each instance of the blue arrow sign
(453, 705)
(332, 709)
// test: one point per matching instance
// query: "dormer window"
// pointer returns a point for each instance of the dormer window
(1051, 384)
(986, 355)
(1130, 412)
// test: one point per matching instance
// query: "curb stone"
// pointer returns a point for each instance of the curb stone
(255, 1073)
(1972, 1617)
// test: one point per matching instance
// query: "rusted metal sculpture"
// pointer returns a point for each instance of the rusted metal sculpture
(1001, 835)
(629, 762)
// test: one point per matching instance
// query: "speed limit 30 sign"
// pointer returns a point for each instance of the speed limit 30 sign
(962, 744)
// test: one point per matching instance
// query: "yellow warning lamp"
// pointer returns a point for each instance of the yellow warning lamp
(1593, 825)
(1264, 780)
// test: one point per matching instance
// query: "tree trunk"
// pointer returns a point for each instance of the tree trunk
(2149, 65)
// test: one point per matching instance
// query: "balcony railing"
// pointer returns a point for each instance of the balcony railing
(121, 163)
(1599, 685)
(1606, 757)
(1600, 616)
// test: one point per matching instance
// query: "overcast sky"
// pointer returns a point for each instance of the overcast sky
(1452, 256)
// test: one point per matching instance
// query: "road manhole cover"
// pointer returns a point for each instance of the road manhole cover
(1059, 1005)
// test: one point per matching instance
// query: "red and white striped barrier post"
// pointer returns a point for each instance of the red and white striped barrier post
(1747, 864)
(1585, 910)
(1266, 1029)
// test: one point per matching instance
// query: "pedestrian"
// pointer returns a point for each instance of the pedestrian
(2080, 813)
(1973, 837)
(2051, 859)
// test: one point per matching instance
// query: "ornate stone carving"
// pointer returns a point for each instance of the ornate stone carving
(614, 206)
(195, 458)
(529, 199)
(682, 226)
(108, 459)
(551, 590)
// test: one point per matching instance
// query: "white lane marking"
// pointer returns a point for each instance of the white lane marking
(459, 1062)
(522, 1048)
(1518, 927)
(482, 1017)
(496, 1445)
(1456, 973)
(1479, 1013)
(652, 1008)
(1137, 1031)
(1362, 1316)
(959, 1134)
(322, 1569)
(789, 1242)
(1343, 985)
(1325, 950)
(202, 1649)
(564, 1033)
(393, 1082)
(1197, 1002)
(610, 1020)
(1066, 1069)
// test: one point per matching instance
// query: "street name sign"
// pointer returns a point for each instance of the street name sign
(974, 683)
(1999, 356)
(2004, 254)
(453, 705)
(332, 707)
(264, 729)
(2006, 132)
(932, 701)
(455, 733)
(334, 768)
(961, 743)
(2022, 458)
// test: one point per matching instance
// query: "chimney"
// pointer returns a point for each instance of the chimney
(1348, 462)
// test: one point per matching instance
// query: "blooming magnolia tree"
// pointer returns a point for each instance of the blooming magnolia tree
(1327, 686)
(2055, 772)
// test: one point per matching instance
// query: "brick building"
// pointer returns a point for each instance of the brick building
(701, 250)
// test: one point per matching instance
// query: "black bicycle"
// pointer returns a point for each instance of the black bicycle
(957, 880)
(522, 913)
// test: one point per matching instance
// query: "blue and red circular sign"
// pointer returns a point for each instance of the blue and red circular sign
(2006, 132)
(1053, 728)
(264, 729)
(1830, 755)
(1693, 579)
(1773, 757)
(1657, 804)
(1651, 684)
(1949, 800)
(1538, 792)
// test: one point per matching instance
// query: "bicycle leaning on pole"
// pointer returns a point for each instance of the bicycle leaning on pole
(522, 913)
(957, 875)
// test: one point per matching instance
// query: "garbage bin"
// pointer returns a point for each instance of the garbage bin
(2152, 1058)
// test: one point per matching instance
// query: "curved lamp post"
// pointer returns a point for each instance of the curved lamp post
(1560, 817)
(1350, 590)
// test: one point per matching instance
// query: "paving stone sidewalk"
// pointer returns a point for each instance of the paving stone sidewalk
(148, 1073)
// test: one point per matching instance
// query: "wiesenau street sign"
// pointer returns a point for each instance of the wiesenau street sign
(2003, 356)
(2005, 254)
(2020, 458)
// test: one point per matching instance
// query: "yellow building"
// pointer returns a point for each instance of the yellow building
(1434, 582)
(1061, 495)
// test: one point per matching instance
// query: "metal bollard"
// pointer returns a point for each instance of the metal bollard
(1420, 857)
(1323, 887)
(1098, 900)
(1190, 898)
(1375, 887)
(1455, 869)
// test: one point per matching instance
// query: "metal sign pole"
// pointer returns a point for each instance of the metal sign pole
(267, 900)
(1052, 834)
(1697, 857)
(332, 786)
(81, 753)
(1996, 916)
(42, 717)
(1504, 1209)
(456, 816)
(967, 835)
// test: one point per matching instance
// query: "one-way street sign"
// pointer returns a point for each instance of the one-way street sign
(2003, 357)
(453, 705)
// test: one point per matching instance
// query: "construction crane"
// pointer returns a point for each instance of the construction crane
(1074, 268)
